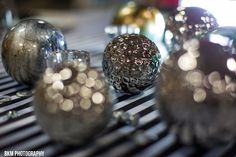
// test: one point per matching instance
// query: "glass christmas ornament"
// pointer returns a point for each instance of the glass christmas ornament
(149, 20)
(196, 93)
(186, 23)
(26, 46)
(131, 63)
(72, 99)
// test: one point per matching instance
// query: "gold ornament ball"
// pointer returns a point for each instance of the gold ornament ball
(148, 19)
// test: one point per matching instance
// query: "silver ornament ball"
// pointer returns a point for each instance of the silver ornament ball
(26, 46)
(186, 23)
(131, 63)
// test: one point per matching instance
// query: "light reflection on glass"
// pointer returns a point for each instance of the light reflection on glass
(231, 64)
(221, 9)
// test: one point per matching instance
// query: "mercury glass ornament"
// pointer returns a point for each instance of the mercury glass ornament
(131, 63)
(186, 23)
(25, 47)
(196, 93)
(148, 19)
(225, 36)
(72, 99)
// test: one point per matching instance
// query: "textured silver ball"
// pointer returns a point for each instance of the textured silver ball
(131, 63)
(26, 46)
(187, 23)
(196, 93)
(72, 103)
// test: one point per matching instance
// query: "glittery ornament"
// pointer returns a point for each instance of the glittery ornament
(25, 47)
(72, 101)
(148, 19)
(225, 36)
(196, 93)
(131, 63)
(186, 23)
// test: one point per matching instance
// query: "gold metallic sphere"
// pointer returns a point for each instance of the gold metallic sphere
(149, 20)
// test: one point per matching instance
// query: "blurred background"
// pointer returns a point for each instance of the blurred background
(84, 22)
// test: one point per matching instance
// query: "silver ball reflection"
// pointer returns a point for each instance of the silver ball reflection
(25, 47)
(196, 93)
(225, 36)
(186, 23)
(131, 63)
(72, 103)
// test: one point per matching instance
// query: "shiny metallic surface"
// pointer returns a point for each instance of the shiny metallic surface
(12, 114)
(68, 55)
(4, 98)
(25, 93)
(126, 118)
(225, 36)
(131, 63)
(186, 23)
(25, 47)
(148, 19)
(72, 101)
(196, 93)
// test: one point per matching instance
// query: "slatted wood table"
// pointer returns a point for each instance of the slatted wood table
(150, 138)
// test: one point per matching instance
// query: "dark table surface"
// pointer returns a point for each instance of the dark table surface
(150, 138)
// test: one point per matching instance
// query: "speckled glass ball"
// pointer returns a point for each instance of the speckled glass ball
(25, 47)
(72, 102)
(225, 36)
(186, 23)
(131, 63)
(149, 20)
(196, 93)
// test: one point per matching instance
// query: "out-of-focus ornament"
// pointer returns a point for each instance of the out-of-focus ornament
(196, 92)
(26, 46)
(131, 63)
(148, 19)
(186, 23)
(225, 36)
(72, 100)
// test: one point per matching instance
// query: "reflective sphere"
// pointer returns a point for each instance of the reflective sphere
(131, 63)
(149, 20)
(196, 93)
(225, 36)
(186, 23)
(25, 47)
(72, 102)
